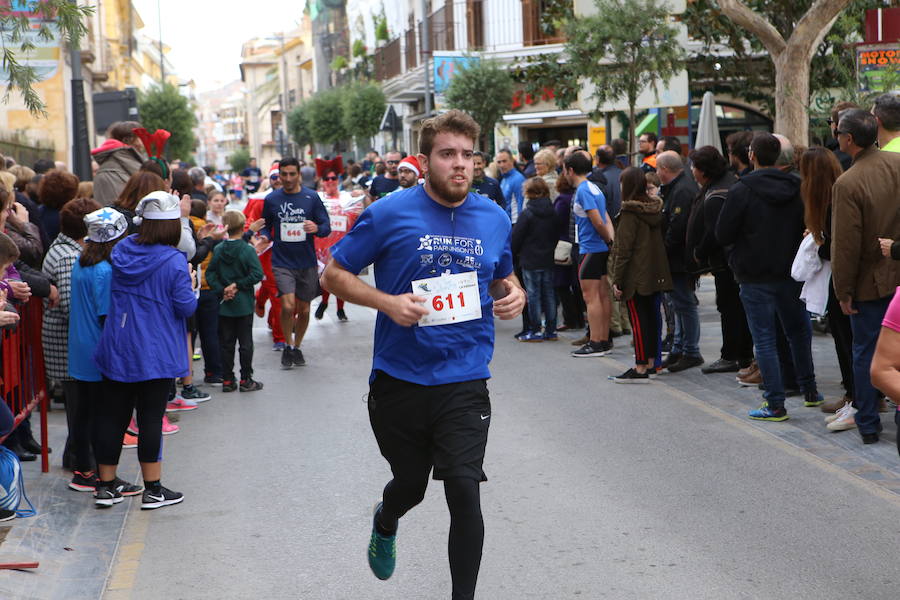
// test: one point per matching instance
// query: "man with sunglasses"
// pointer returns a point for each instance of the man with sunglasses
(383, 185)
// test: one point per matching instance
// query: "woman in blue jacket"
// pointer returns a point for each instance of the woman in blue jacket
(143, 346)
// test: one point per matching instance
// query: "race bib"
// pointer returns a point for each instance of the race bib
(450, 299)
(292, 232)
(339, 223)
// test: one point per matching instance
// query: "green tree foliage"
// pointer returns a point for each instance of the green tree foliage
(638, 39)
(362, 107)
(325, 117)
(483, 89)
(298, 125)
(58, 18)
(164, 108)
(239, 159)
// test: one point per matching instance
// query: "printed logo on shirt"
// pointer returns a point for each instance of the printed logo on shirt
(426, 259)
(445, 260)
(447, 243)
(289, 214)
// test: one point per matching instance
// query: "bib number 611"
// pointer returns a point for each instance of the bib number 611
(438, 303)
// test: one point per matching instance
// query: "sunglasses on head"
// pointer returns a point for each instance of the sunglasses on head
(329, 178)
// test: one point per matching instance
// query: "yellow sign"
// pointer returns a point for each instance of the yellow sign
(596, 138)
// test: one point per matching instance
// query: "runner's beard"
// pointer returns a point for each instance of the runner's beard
(449, 191)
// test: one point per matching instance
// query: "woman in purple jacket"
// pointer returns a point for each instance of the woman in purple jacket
(143, 346)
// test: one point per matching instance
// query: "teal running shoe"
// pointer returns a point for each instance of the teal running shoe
(764, 413)
(382, 550)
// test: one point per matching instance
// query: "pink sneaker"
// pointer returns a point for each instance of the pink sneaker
(180, 404)
(132, 427)
(168, 427)
(130, 441)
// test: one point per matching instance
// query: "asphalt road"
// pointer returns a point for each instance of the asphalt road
(595, 490)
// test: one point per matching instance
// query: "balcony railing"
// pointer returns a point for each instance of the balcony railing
(388, 61)
(442, 28)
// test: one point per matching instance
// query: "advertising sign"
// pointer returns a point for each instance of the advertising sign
(873, 62)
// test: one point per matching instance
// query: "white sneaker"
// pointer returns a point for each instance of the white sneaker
(847, 406)
(844, 422)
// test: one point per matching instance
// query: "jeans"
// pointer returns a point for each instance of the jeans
(765, 304)
(866, 325)
(687, 317)
(208, 328)
(541, 297)
(240, 330)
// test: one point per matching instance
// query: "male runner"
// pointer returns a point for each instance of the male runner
(443, 270)
(408, 173)
(383, 185)
(252, 177)
(294, 214)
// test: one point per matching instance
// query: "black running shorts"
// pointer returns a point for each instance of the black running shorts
(593, 265)
(420, 426)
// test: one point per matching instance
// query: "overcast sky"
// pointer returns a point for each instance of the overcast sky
(206, 35)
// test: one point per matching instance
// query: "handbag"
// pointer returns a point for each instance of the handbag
(562, 255)
(12, 486)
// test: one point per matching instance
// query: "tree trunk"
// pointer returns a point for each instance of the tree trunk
(792, 70)
(631, 127)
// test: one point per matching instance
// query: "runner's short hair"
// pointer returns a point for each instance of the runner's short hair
(452, 121)
(288, 161)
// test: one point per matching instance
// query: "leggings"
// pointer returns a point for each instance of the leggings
(113, 412)
(466, 524)
(643, 313)
(80, 399)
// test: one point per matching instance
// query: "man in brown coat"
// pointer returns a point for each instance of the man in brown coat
(865, 208)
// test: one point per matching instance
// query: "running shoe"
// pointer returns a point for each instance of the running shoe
(551, 337)
(125, 488)
(341, 315)
(278, 347)
(197, 356)
(532, 337)
(83, 482)
(7, 515)
(382, 550)
(297, 358)
(287, 358)
(180, 404)
(168, 427)
(190, 392)
(593, 349)
(132, 427)
(320, 310)
(130, 441)
(764, 413)
(159, 498)
(229, 386)
(631, 376)
(813, 399)
(249, 385)
(104, 497)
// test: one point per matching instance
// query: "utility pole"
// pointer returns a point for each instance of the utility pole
(426, 50)
(81, 149)
(284, 102)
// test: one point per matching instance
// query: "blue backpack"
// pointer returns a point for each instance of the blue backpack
(12, 486)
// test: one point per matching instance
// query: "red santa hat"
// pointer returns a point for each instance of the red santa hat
(411, 163)
(273, 171)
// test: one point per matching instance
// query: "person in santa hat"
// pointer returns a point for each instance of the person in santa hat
(409, 174)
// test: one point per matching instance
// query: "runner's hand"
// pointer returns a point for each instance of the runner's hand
(310, 226)
(406, 309)
(510, 305)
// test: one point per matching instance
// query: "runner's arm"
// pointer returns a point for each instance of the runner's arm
(508, 295)
(404, 309)
(885, 363)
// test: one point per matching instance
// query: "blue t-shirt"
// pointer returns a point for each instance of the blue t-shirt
(89, 302)
(382, 186)
(588, 196)
(293, 209)
(254, 179)
(409, 236)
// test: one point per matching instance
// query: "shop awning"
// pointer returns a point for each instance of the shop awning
(649, 124)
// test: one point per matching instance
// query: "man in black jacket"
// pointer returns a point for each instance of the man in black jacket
(678, 191)
(762, 219)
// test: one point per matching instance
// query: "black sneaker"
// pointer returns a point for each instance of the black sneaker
(84, 482)
(127, 489)
(287, 355)
(686, 362)
(593, 349)
(249, 385)
(212, 380)
(7, 515)
(341, 315)
(297, 358)
(161, 497)
(670, 360)
(320, 311)
(105, 496)
(229, 385)
(631, 376)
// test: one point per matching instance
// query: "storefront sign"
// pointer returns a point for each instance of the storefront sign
(874, 62)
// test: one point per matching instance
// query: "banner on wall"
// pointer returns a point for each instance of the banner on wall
(445, 67)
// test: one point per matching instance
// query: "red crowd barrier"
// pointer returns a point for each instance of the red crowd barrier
(24, 382)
